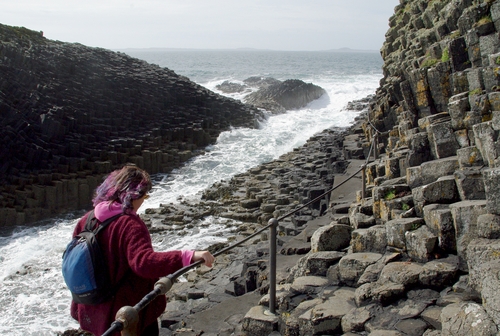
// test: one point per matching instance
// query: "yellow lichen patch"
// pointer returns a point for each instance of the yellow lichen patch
(495, 254)
(422, 98)
(472, 158)
(486, 117)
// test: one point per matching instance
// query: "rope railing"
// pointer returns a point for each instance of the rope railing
(127, 317)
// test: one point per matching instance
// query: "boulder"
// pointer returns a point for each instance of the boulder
(442, 140)
(466, 318)
(470, 184)
(492, 190)
(332, 237)
(488, 226)
(372, 272)
(355, 319)
(397, 228)
(291, 322)
(439, 273)
(325, 318)
(287, 95)
(308, 285)
(404, 273)
(373, 239)
(353, 265)
(489, 273)
(444, 190)
(430, 171)
(480, 251)
(439, 220)
(378, 292)
(314, 264)
(420, 244)
(257, 322)
(485, 138)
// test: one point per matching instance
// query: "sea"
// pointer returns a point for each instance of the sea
(34, 299)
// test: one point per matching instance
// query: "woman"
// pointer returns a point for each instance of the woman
(126, 245)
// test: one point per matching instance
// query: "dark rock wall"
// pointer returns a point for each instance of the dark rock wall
(70, 114)
(436, 50)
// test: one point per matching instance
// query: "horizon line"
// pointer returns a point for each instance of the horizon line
(345, 49)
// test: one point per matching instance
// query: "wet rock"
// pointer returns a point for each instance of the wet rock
(229, 87)
(290, 94)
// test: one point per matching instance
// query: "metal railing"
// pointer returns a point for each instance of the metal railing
(127, 317)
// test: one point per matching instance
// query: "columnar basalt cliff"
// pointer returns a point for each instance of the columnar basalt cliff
(423, 257)
(70, 114)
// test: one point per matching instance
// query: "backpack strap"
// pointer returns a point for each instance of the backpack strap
(90, 226)
(92, 221)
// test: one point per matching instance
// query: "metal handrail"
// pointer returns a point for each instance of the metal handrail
(127, 317)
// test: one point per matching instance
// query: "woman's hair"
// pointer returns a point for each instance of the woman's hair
(123, 186)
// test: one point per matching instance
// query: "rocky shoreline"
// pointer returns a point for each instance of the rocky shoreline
(271, 190)
(418, 253)
(249, 200)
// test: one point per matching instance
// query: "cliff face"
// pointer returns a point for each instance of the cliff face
(435, 189)
(70, 114)
(436, 50)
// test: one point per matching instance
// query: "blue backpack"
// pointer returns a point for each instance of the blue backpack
(84, 269)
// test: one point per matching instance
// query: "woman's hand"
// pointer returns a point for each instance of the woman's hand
(204, 255)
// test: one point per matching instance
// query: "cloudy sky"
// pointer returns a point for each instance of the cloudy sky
(206, 24)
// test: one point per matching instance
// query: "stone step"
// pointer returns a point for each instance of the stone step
(259, 321)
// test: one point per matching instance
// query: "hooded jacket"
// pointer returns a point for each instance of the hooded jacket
(133, 264)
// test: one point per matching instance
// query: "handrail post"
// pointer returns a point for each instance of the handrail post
(273, 222)
(375, 146)
(363, 179)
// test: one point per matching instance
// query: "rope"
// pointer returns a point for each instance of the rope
(118, 325)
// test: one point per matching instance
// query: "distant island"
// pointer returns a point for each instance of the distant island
(156, 49)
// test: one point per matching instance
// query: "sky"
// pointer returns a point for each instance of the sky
(207, 24)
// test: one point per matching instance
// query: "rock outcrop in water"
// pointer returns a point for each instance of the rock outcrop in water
(288, 95)
(274, 95)
(70, 114)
